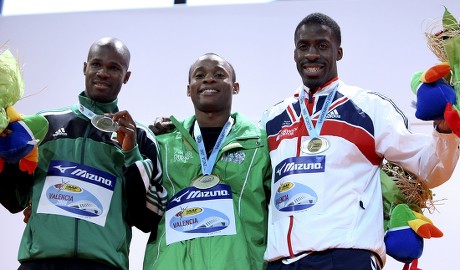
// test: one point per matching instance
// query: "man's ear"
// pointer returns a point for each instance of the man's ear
(339, 53)
(84, 68)
(236, 88)
(188, 90)
(127, 76)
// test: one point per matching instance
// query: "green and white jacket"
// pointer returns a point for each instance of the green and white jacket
(79, 193)
(243, 163)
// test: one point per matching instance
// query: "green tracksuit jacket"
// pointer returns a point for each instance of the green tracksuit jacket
(244, 164)
(73, 147)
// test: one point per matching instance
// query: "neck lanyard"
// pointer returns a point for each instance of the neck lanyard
(208, 164)
(86, 112)
(314, 131)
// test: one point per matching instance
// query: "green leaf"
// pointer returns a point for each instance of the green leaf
(449, 22)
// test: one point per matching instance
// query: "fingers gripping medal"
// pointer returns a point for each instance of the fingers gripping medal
(101, 122)
(104, 123)
(209, 180)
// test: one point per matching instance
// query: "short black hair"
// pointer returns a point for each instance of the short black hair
(232, 70)
(321, 19)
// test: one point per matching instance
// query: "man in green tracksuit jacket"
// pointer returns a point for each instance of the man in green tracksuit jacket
(81, 214)
(216, 171)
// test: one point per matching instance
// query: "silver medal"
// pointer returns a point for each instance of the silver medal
(206, 181)
(104, 123)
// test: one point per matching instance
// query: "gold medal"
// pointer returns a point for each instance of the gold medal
(206, 181)
(315, 145)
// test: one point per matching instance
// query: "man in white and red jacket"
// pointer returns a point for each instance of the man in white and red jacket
(327, 143)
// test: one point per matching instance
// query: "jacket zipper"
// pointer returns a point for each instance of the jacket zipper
(82, 159)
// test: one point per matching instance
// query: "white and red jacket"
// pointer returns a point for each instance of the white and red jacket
(333, 199)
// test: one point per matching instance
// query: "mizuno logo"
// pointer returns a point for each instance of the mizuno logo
(74, 171)
(178, 199)
(299, 165)
(93, 177)
(296, 166)
(63, 169)
(207, 194)
(201, 194)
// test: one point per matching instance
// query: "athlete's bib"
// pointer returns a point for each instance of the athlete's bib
(193, 213)
(293, 193)
(77, 191)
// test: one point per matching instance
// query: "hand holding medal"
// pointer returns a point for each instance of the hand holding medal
(104, 123)
(121, 122)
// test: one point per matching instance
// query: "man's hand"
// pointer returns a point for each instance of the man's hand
(161, 125)
(126, 133)
(5, 133)
(441, 126)
(27, 212)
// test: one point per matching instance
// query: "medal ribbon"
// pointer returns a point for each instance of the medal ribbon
(208, 164)
(96, 120)
(86, 112)
(314, 131)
